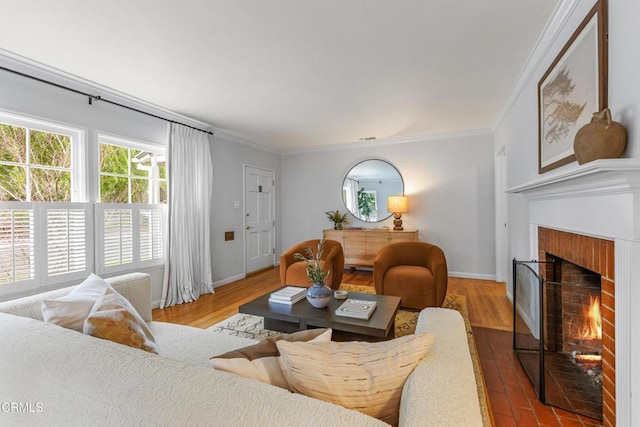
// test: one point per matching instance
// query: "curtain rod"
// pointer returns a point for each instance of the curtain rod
(99, 98)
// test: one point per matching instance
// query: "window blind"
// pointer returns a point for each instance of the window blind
(118, 237)
(66, 241)
(17, 246)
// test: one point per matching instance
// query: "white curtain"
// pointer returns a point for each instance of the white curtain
(190, 169)
(351, 188)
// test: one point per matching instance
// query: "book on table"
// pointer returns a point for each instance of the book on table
(289, 295)
(356, 308)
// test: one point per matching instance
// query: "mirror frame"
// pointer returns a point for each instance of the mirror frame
(355, 215)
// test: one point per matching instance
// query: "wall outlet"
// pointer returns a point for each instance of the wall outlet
(228, 235)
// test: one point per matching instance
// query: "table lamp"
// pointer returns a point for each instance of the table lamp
(397, 205)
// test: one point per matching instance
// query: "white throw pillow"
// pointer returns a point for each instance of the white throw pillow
(71, 310)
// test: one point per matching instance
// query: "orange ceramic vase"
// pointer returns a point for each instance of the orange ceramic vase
(601, 139)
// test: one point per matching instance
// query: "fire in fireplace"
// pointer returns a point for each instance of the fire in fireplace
(592, 326)
(558, 333)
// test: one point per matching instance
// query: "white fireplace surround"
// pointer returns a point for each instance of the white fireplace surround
(600, 199)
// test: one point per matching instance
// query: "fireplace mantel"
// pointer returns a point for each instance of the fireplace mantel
(605, 176)
(598, 199)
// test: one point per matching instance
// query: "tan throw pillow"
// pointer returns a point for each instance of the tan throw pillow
(113, 318)
(71, 310)
(260, 361)
(367, 377)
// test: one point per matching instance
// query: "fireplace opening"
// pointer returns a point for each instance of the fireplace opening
(558, 333)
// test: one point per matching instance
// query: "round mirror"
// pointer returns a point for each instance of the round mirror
(366, 187)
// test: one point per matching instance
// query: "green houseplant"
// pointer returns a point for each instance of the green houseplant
(366, 203)
(337, 218)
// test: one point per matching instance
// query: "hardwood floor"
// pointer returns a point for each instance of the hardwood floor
(488, 306)
(213, 308)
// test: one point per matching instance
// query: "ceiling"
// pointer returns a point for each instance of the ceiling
(293, 74)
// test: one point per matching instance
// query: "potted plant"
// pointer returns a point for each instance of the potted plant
(318, 294)
(366, 203)
(337, 218)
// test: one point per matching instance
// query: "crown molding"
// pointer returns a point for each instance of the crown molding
(559, 18)
(40, 70)
(381, 142)
(47, 72)
(237, 138)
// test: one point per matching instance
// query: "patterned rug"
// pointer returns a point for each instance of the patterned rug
(248, 326)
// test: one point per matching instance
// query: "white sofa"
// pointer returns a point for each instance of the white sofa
(50, 375)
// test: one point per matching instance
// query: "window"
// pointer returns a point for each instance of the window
(46, 242)
(50, 233)
(131, 175)
(34, 165)
(131, 215)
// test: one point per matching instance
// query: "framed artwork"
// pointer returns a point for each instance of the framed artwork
(572, 89)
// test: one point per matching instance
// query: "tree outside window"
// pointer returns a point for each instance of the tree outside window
(129, 175)
(34, 165)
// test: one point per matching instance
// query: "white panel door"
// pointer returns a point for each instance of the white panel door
(259, 219)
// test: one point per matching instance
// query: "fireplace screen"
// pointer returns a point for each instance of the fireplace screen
(558, 333)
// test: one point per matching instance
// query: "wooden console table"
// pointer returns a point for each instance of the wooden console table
(361, 246)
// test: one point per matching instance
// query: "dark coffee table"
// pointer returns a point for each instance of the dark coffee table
(302, 315)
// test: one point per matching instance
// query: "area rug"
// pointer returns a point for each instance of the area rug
(249, 326)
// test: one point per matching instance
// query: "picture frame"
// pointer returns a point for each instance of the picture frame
(572, 89)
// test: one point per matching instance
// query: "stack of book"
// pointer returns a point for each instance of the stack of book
(289, 295)
(356, 308)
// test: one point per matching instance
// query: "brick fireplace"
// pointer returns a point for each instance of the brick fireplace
(588, 215)
(584, 254)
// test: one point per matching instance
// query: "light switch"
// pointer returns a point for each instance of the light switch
(236, 204)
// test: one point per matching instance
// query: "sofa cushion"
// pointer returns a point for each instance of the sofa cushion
(113, 318)
(193, 345)
(445, 376)
(261, 361)
(367, 377)
(71, 310)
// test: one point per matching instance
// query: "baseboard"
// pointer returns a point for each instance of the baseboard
(477, 276)
(229, 280)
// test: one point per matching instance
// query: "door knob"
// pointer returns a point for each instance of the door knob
(249, 227)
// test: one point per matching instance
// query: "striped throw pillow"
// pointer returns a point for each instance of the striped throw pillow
(367, 377)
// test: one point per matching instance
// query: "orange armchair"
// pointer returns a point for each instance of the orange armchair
(414, 271)
(294, 272)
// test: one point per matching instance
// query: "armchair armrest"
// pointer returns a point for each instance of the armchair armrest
(437, 263)
(385, 259)
(286, 259)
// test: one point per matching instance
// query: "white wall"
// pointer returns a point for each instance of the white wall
(449, 183)
(229, 159)
(518, 131)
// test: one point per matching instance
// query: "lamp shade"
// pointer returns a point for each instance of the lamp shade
(397, 204)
